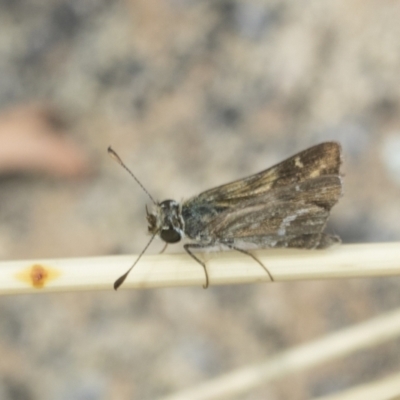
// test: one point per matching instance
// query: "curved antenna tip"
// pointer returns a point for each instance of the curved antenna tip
(119, 281)
(122, 278)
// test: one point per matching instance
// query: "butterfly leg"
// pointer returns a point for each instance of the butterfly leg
(189, 246)
(163, 249)
(231, 246)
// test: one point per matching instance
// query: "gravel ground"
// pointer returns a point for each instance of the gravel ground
(193, 94)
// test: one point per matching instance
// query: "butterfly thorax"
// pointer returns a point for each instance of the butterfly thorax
(197, 216)
(167, 221)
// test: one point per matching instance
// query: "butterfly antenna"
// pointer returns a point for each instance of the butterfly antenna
(117, 158)
(122, 278)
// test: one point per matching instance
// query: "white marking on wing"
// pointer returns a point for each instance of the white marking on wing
(288, 220)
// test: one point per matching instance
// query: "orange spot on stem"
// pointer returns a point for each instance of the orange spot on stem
(38, 275)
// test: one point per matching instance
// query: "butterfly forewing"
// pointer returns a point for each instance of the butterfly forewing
(301, 208)
(322, 159)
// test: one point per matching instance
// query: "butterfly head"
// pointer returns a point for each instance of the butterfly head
(167, 221)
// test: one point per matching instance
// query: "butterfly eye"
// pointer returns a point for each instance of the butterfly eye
(170, 235)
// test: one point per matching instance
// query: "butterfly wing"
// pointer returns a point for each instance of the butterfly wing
(290, 199)
(320, 160)
(299, 209)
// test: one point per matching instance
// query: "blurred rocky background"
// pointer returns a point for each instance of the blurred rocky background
(191, 94)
